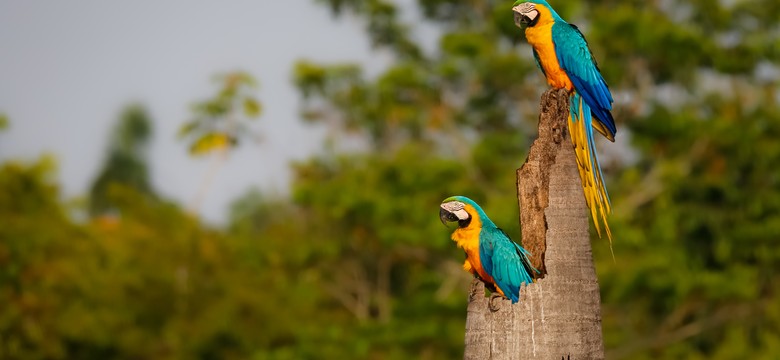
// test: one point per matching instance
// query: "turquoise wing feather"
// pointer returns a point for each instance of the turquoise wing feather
(576, 60)
(506, 261)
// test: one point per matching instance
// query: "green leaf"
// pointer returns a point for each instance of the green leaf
(252, 108)
(188, 127)
(216, 107)
(210, 142)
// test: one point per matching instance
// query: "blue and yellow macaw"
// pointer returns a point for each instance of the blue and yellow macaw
(491, 256)
(562, 54)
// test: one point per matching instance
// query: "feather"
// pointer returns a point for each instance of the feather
(577, 61)
(507, 267)
(592, 179)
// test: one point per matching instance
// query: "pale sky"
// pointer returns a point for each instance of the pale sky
(68, 67)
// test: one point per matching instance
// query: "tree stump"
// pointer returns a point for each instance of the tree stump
(559, 316)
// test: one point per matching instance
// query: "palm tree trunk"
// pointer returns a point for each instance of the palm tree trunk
(559, 316)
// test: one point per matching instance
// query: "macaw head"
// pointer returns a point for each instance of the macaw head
(534, 12)
(463, 210)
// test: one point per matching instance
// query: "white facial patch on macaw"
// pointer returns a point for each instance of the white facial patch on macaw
(456, 208)
(525, 14)
(525, 9)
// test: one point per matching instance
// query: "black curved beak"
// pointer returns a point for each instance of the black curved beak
(446, 216)
(525, 20)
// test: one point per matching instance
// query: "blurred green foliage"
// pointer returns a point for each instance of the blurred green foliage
(125, 163)
(218, 123)
(355, 264)
(4, 123)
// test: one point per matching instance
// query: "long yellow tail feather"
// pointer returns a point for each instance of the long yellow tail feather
(593, 185)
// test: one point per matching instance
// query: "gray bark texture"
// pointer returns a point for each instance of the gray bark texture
(559, 316)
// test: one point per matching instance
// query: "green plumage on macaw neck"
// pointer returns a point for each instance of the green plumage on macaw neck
(562, 53)
(491, 256)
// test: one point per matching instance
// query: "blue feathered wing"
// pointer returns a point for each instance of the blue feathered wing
(505, 261)
(576, 60)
